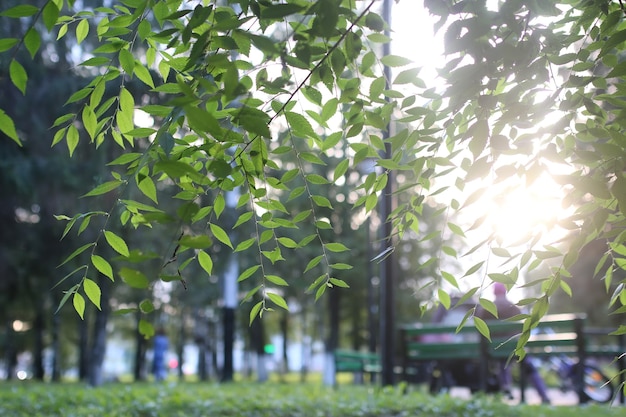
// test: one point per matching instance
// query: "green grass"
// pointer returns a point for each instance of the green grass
(248, 399)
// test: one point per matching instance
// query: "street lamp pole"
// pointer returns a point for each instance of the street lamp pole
(387, 320)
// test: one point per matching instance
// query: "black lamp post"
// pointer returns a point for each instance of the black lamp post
(387, 318)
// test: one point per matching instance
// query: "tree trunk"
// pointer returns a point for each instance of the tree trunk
(201, 335)
(228, 322)
(98, 347)
(257, 339)
(83, 346)
(38, 333)
(139, 373)
(56, 348)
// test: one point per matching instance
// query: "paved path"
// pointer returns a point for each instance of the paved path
(556, 396)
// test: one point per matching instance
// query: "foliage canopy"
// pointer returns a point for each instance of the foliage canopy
(252, 95)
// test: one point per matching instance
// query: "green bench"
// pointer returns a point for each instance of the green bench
(419, 345)
(356, 362)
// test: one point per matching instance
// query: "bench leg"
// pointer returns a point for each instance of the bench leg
(522, 382)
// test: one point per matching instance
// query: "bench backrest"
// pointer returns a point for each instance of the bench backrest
(422, 342)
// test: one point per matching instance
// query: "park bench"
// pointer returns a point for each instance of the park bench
(356, 362)
(568, 336)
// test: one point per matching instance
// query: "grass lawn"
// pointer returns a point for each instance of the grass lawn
(248, 399)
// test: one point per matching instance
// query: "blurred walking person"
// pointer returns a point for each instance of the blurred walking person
(160, 347)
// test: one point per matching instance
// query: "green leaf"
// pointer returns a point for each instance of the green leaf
(287, 242)
(336, 247)
(72, 138)
(205, 261)
(201, 121)
(8, 127)
(147, 187)
(313, 263)
(444, 298)
(195, 242)
(489, 306)
(253, 120)
(23, 10)
(62, 31)
(407, 76)
(338, 283)
(248, 273)
(299, 125)
(18, 75)
(92, 290)
(456, 229)
(7, 43)
(76, 253)
(144, 74)
(278, 300)
(146, 329)
(329, 110)
(127, 61)
(474, 268)
(66, 297)
(82, 30)
(79, 305)
(134, 278)
(482, 327)
(395, 61)
(32, 41)
(613, 41)
(104, 188)
(220, 234)
(254, 311)
(146, 306)
(50, 14)
(278, 11)
(275, 279)
(316, 179)
(321, 201)
(117, 243)
(90, 121)
(124, 116)
(103, 266)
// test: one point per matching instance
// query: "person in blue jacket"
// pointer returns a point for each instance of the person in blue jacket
(158, 361)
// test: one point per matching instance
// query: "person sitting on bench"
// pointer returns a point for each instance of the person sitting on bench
(506, 309)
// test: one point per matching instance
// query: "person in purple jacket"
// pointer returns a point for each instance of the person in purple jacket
(506, 309)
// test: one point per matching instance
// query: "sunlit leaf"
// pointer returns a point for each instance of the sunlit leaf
(220, 234)
(104, 188)
(278, 300)
(117, 243)
(103, 266)
(82, 30)
(205, 261)
(79, 304)
(92, 290)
